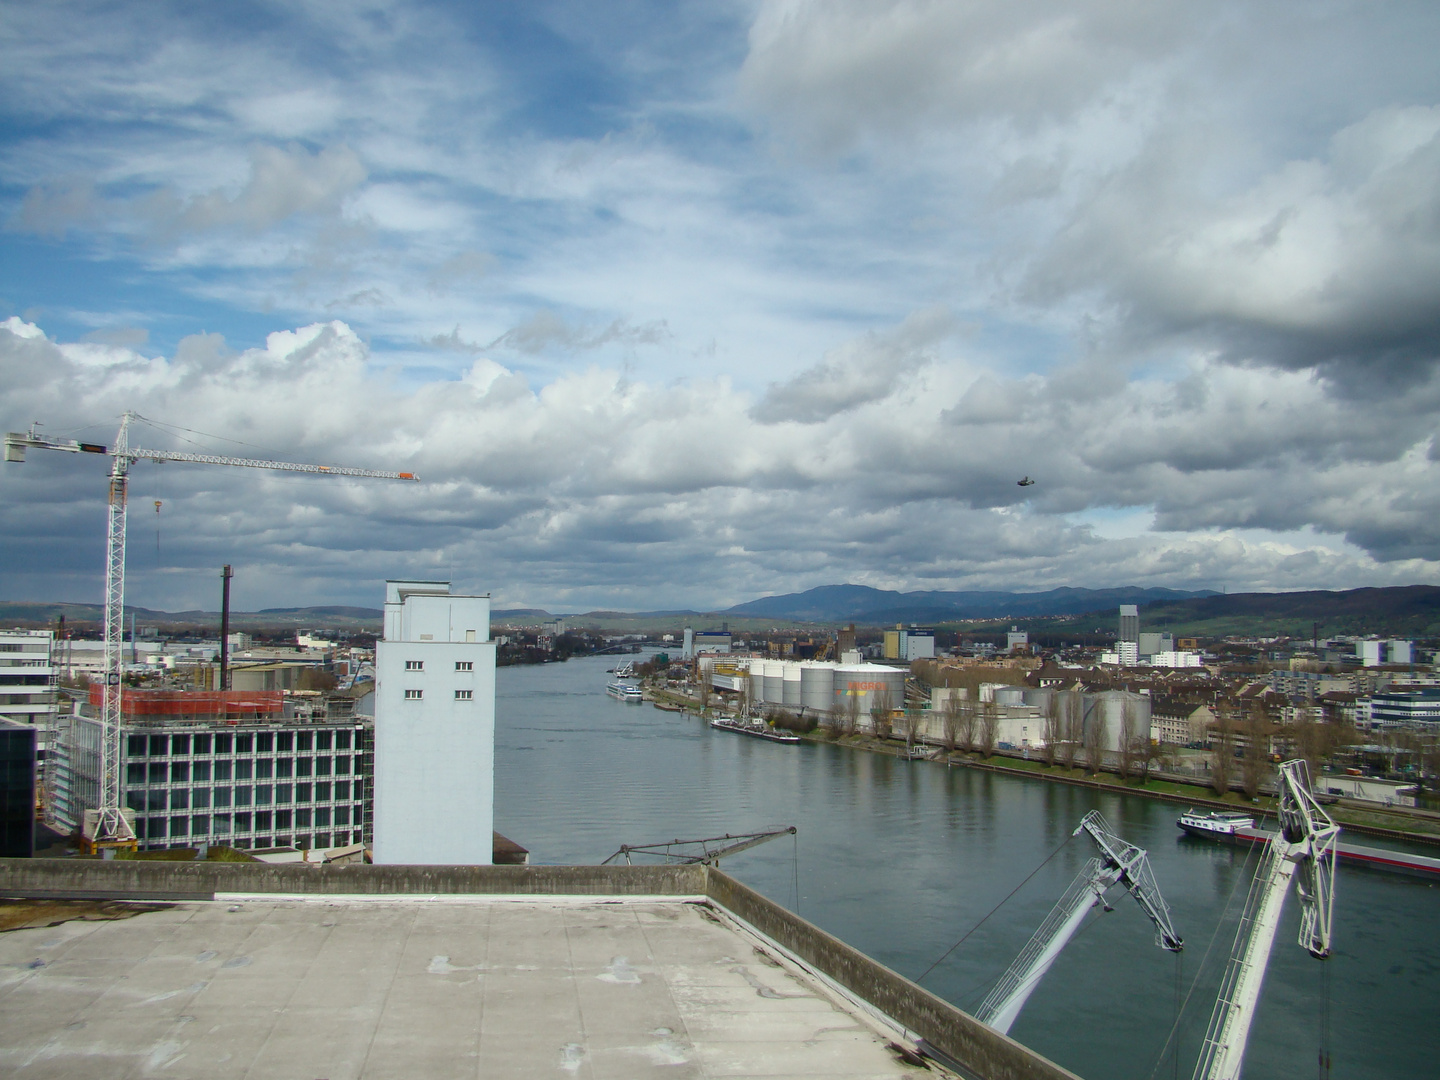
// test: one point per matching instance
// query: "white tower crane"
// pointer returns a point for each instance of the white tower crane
(112, 829)
(1118, 861)
(1306, 844)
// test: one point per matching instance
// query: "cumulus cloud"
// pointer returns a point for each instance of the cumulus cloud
(860, 372)
(1331, 262)
(831, 72)
(620, 491)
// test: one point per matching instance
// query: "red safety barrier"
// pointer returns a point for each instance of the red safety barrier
(215, 703)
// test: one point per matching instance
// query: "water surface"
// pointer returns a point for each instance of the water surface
(901, 859)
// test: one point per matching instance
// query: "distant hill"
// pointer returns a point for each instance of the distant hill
(40, 614)
(1403, 610)
(862, 604)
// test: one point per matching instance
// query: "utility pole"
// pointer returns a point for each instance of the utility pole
(225, 576)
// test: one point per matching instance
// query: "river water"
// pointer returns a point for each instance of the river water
(903, 859)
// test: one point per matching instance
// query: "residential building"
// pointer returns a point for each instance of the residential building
(1129, 623)
(1174, 659)
(28, 677)
(434, 727)
(1406, 707)
(1179, 723)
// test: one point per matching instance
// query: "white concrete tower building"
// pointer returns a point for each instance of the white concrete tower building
(434, 727)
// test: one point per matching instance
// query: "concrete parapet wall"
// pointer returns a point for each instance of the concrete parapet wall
(142, 879)
(977, 1049)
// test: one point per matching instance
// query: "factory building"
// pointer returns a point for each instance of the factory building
(909, 643)
(434, 727)
(707, 641)
(242, 768)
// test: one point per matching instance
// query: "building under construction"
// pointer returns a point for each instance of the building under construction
(251, 769)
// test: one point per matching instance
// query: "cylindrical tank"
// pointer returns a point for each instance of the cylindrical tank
(774, 683)
(817, 687)
(1040, 698)
(1009, 695)
(757, 683)
(863, 681)
(791, 684)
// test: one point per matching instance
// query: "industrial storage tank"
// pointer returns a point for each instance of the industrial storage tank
(1040, 698)
(757, 682)
(863, 681)
(1009, 695)
(817, 687)
(774, 682)
(791, 688)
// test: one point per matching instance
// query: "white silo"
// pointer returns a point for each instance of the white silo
(817, 687)
(790, 690)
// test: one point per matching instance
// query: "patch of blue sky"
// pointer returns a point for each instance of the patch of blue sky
(1116, 522)
(69, 293)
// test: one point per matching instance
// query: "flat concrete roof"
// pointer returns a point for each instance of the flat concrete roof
(487, 986)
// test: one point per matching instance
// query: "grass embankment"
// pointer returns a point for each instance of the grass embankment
(1397, 821)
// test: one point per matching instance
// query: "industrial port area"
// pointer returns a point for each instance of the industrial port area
(790, 539)
(256, 811)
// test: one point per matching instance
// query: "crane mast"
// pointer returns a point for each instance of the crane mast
(1118, 862)
(1304, 850)
(111, 827)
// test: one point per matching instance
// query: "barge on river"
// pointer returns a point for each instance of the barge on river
(1237, 828)
(756, 729)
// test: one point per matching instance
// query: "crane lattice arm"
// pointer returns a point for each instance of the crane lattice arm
(1304, 848)
(709, 853)
(1118, 861)
(110, 826)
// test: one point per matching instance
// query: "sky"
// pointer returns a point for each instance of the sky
(675, 305)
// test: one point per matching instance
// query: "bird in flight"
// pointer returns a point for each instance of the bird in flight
(1026, 482)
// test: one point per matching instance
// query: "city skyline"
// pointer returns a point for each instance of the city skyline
(676, 306)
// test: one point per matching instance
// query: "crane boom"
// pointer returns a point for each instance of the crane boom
(1119, 861)
(709, 854)
(1305, 849)
(111, 827)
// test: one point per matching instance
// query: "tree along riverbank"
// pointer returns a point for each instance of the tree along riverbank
(1398, 823)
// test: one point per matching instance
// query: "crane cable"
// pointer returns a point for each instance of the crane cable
(994, 909)
(1324, 1052)
(1220, 922)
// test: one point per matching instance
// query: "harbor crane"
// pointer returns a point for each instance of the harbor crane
(1118, 862)
(710, 854)
(111, 829)
(1304, 849)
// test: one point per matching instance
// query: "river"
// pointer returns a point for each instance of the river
(901, 859)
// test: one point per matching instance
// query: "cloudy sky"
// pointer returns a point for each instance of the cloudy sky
(680, 304)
